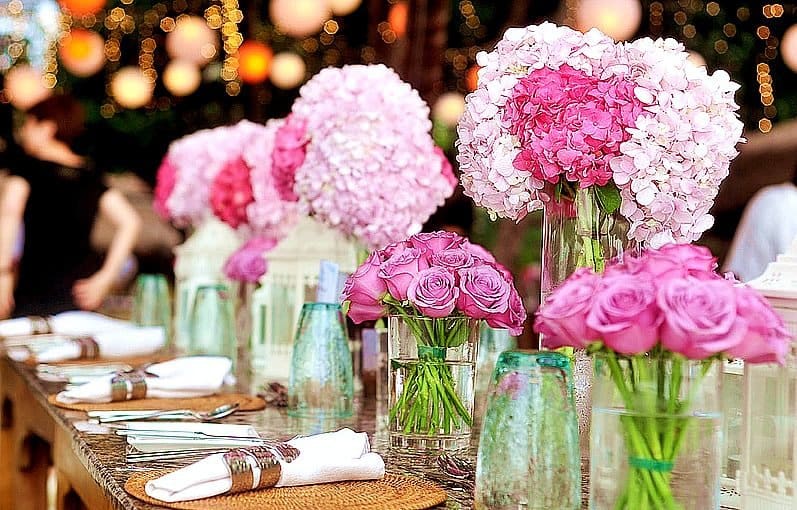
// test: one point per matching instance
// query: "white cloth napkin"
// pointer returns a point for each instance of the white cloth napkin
(331, 457)
(67, 323)
(194, 376)
(120, 342)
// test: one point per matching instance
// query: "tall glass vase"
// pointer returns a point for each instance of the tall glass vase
(656, 433)
(243, 333)
(577, 232)
(431, 380)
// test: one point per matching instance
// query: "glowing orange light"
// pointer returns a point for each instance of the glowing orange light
(472, 77)
(254, 61)
(397, 18)
(83, 7)
(82, 52)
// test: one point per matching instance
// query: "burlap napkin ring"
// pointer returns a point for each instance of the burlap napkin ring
(128, 386)
(242, 462)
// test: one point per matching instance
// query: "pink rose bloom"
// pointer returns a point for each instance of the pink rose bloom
(165, 181)
(478, 251)
(392, 248)
(248, 264)
(767, 339)
(364, 290)
(562, 319)
(290, 147)
(624, 314)
(675, 260)
(484, 292)
(231, 193)
(452, 258)
(399, 270)
(436, 241)
(513, 319)
(700, 317)
(433, 292)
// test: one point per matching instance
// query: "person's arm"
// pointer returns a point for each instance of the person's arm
(90, 293)
(12, 207)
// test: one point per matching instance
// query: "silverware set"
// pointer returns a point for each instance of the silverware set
(173, 414)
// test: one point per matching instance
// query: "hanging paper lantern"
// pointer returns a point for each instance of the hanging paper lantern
(344, 7)
(449, 108)
(618, 19)
(472, 77)
(788, 48)
(83, 7)
(181, 77)
(287, 70)
(299, 18)
(82, 52)
(397, 18)
(24, 87)
(131, 88)
(254, 61)
(192, 40)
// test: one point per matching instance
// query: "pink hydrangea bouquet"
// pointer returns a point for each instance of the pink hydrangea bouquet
(232, 173)
(557, 111)
(427, 280)
(645, 318)
(357, 154)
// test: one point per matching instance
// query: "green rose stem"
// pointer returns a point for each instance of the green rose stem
(429, 403)
(653, 441)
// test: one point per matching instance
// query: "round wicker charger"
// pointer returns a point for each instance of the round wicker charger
(198, 404)
(393, 492)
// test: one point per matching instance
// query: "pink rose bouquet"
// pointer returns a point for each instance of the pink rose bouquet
(661, 308)
(557, 111)
(425, 280)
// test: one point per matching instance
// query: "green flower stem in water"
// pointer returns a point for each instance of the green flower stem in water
(429, 403)
(655, 429)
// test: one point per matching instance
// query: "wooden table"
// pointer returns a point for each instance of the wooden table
(90, 467)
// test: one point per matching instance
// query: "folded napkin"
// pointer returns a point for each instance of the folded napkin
(331, 457)
(120, 342)
(194, 376)
(67, 323)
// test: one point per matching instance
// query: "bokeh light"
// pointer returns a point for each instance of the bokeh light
(619, 19)
(299, 18)
(192, 40)
(288, 70)
(24, 86)
(788, 48)
(254, 61)
(449, 108)
(181, 77)
(130, 88)
(82, 52)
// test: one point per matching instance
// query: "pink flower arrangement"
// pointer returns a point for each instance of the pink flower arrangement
(249, 263)
(231, 193)
(670, 299)
(435, 275)
(366, 164)
(558, 108)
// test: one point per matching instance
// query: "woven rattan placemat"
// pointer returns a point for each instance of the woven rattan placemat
(199, 404)
(393, 492)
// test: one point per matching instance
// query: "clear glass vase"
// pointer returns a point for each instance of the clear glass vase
(577, 232)
(656, 433)
(243, 333)
(528, 452)
(431, 381)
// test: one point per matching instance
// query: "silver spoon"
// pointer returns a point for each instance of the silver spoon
(216, 414)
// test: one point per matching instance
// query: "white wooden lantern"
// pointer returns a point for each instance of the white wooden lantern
(199, 261)
(768, 478)
(291, 281)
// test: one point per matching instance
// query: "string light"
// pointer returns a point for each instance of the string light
(232, 39)
(766, 88)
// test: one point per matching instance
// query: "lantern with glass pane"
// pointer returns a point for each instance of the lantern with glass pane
(768, 476)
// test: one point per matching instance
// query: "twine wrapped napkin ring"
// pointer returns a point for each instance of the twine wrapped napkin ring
(242, 462)
(128, 386)
(88, 347)
(40, 325)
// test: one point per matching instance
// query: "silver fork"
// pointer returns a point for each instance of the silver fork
(282, 449)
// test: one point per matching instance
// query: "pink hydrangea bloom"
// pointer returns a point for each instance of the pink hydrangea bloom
(676, 127)
(165, 181)
(371, 169)
(290, 146)
(231, 192)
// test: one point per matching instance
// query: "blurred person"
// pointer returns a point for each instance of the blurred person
(766, 230)
(57, 194)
